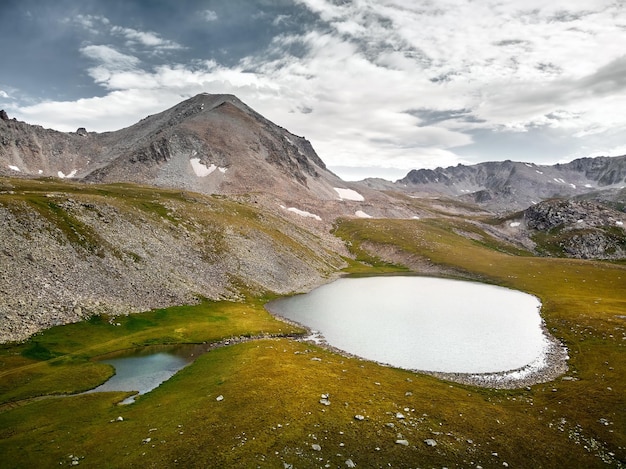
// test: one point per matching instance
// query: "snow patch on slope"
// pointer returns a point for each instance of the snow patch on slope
(70, 175)
(201, 169)
(349, 194)
(302, 213)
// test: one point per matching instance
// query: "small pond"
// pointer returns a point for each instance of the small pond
(144, 369)
(422, 323)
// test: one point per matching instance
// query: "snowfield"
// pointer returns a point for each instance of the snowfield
(302, 213)
(70, 175)
(349, 194)
(203, 170)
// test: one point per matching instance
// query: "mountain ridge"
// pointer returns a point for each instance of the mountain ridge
(510, 185)
(212, 144)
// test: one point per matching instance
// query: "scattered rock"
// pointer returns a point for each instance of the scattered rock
(219, 398)
(402, 442)
(350, 463)
(430, 442)
(316, 447)
(359, 417)
(399, 415)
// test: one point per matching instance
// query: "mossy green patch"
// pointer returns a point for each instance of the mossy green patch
(58, 359)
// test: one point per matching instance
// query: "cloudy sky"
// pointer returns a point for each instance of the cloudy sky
(378, 86)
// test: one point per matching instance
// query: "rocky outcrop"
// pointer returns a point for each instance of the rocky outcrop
(578, 228)
(568, 213)
(3, 115)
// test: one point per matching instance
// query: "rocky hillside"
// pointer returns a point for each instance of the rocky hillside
(69, 251)
(509, 185)
(579, 229)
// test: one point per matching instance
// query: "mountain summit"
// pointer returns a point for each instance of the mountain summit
(208, 143)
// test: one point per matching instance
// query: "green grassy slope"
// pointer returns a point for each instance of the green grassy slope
(271, 416)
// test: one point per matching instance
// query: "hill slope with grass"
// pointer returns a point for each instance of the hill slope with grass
(69, 251)
(198, 267)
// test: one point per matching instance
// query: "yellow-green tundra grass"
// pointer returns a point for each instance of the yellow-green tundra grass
(269, 413)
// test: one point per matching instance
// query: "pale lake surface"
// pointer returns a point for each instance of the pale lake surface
(146, 368)
(422, 323)
(417, 323)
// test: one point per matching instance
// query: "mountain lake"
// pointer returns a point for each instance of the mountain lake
(145, 368)
(416, 323)
(423, 323)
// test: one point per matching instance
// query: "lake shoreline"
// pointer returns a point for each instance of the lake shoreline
(547, 368)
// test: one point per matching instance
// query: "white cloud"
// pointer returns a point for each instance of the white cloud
(3, 94)
(357, 77)
(108, 56)
(145, 38)
(91, 23)
(280, 19)
(111, 66)
(209, 15)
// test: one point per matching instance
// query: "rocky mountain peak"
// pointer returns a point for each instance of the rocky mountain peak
(209, 143)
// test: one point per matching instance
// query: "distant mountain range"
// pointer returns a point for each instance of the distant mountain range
(216, 144)
(510, 185)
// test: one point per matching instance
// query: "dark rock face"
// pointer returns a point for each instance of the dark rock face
(3, 115)
(607, 171)
(554, 213)
(580, 229)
